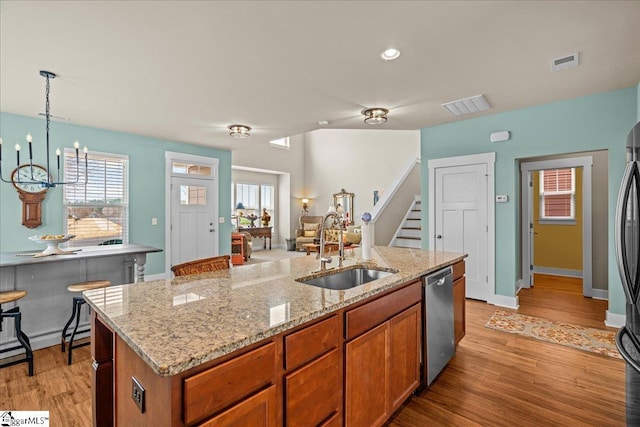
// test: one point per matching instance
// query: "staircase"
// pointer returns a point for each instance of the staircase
(409, 233)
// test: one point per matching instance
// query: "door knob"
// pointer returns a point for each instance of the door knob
(439, 236)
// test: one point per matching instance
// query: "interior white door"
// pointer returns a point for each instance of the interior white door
(193, 226)
(461, 221)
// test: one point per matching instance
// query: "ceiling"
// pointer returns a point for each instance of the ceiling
(185, 70)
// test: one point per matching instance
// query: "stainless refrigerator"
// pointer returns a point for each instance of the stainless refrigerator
(627, 241)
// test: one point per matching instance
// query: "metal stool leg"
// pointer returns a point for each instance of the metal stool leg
(77, 301)
(64, 330)
(22, 338)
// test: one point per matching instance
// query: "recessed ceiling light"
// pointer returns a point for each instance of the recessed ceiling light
(375, 116)
(239, 131)
(323, 122)
(390, 54)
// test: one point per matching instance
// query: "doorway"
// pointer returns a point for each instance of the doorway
(191, 208)
(461, 217)
(558, 234)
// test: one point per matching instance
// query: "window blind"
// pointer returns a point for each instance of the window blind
(557, 193)
(96, 212)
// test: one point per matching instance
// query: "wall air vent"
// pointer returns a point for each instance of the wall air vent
(467, 105)
(568, 61)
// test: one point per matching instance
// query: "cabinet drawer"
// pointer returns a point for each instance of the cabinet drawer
(216, 388)
(312, 341)
(367, 316)
(458, 270)
(313, 392)
(256, 411)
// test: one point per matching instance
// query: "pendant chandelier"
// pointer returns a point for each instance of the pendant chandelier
(49, 182)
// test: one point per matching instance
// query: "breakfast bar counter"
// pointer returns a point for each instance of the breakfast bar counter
(47, 305)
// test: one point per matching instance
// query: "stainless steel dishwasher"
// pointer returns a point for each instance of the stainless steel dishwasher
(440, 343)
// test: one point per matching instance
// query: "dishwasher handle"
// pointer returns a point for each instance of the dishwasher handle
(439, 278)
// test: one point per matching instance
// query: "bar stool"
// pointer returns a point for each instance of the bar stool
(23, 339)
(78, 301)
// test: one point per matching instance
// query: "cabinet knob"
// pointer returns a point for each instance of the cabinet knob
(439, 236)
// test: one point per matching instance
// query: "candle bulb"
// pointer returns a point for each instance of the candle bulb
(58, 156)
(76, 145)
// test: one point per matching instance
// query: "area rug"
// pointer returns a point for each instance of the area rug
(587, 339)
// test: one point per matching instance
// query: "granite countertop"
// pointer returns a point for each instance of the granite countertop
(177, 324)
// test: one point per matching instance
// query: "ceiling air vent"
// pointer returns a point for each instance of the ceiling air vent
(467, 105)
(569, 61)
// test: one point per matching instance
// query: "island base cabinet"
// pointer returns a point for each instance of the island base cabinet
(382, 369)
(258, 410)
(313, 393)
(404, 355)
(459, 301)
(367, 378)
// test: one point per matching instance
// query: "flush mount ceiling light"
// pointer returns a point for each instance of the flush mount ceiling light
(239, 131)
(390, 54)
(375, 116)
(467, 105)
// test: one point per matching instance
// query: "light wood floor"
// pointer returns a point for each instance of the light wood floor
(500, 379)
(495, 379)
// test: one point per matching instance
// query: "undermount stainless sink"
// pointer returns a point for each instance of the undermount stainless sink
(346, 279)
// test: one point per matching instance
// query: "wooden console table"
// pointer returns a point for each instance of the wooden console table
(264, 232)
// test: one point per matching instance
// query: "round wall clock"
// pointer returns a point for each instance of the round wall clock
(23, 174)
(32, 194)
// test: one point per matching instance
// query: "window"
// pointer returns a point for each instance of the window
(190, 168)
(280, 143)
(247, 194)
(557, 194)
(96, 212)
(255, 198)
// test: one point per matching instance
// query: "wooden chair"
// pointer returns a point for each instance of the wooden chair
(202, 265)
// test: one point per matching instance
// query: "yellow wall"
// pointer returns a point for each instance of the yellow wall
(557, 246)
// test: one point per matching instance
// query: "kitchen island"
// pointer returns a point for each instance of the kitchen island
(48, 303)
(253, 345)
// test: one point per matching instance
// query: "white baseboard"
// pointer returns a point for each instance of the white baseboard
(45, 339)
(504, 301)
(600, 294)
(152, 277)
(558, 271)
(614, 320)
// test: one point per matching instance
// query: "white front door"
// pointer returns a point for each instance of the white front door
(461, 221)
(193, 224)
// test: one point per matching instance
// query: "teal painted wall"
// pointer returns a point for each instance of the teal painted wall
(593, 122)
(146, 182)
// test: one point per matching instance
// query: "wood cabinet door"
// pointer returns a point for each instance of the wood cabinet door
(459, 321)
(313, 393)
(367, 378)
(404, 355)
(258, 410)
